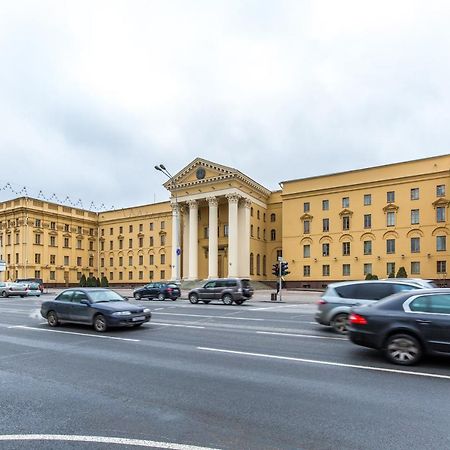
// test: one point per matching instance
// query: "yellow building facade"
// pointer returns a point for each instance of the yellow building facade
(219, 222)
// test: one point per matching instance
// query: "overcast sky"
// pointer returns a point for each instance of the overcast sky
(94, 93)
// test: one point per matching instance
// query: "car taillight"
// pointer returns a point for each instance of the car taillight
(170, 289)
(357, 319)
(321, 301)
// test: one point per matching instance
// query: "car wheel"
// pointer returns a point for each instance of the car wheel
(206, 302)
(4, 294)
(239, 302)
(137, 325)
(137, 296)
(52, 319)
(100, 323)
(161, 297)
(227, 299)
(174, 298)
(22, 296)
(193, 298)
(403, 349)
(339, 323)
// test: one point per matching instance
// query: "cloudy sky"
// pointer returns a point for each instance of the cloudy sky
(94, 93)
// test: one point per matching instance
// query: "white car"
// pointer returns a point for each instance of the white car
(8, 289)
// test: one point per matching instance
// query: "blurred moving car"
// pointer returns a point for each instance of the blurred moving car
(228, 290)
(32, 289)
(404, 326)
(161, 291)
(335, 303)
(32, 280)
(101, 308)
(9, 289)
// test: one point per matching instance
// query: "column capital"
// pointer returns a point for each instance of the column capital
(212, 201)
(233, 198)
(192, 204)
(246, 203)
(175, 207)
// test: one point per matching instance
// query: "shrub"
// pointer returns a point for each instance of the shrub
(83, 280)
(402, 273)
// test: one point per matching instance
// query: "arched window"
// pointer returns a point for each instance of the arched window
(273, 217)
(258, 265)
(251, 230)
(273, 235)
(251, 211)
(251, 264)
(264, 265)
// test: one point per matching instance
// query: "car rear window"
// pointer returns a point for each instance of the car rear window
(348, 291)
(172, 285)
(245, 283)
(365, 291)
(230, 283)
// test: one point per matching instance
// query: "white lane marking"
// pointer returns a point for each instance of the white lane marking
(176, 325)
(327, 363)
(272, 307)
(210, 317)
(23, 327)
(302, 335)
(101, 440)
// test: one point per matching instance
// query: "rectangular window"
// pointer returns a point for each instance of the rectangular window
(17, 238)
(151, 226)
(325, 249)
(440, 190)
(79, 261)
(66, 227)
(91, 232)
(37, 223)
(141, 242)
(120, 244)
(141, 275)
(66, 242)
(111, 262)
(346, 248)
(163, 274)
(120, 275)
(367, 247)
(79, 244)
(325, 205)
(163, 240)
(415, 245)
(110, 245)
(390, 246)
(141, 260)
(111, 276)
(53, 225)
(37, 239)
(345, 270)
(130, 243)
(367, 220)
(37, 258)
(141, 227)
(53, 259)
(325, 224)
(415, 194)
(367, 199)
(390, 196)
(91, 246)
(37, 274)
(120, 230)
(441, 243)
(52, 275)
(151, 241)
(440, 214)
(151, 275)
(111, 231)
(326, 270)
(163, 258)
(306, 251)
(102, 231)
(345, 222)
(66, 260)
(130, 275)
(306, 207)
(345, 202)
(121, 261)
(225, 230)
(415, 217)
(17, 258)
(306, 226)
(367, 268)
(130, 228)
(130, 260)
(151, 259)
(415, 267)
(441, 266)
(257, 214)
(390, 219)
(390, 268)
(91, 261)
(306, 271)
(163, 224)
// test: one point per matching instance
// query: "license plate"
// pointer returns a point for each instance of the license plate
(137, 319)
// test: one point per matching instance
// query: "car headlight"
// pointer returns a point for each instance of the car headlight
(146, 310)
(122, 313)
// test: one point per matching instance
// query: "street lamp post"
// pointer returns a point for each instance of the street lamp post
(176, 227)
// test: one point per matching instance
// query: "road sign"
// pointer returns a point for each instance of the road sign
(2, 266)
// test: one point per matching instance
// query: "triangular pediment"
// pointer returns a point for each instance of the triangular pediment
(204, 172)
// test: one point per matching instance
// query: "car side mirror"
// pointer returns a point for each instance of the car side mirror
(125, 298)
(84, 301)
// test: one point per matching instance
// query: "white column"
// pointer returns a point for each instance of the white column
(175, 241)
(193, 240)
(185, 252)
(244, 237)
(233, 239)
(213, 241)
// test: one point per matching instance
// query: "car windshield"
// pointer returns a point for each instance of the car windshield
(105, 296)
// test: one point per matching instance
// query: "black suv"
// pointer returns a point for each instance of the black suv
(229, 290)
(161, 291)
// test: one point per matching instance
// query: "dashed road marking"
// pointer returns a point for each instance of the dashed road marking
(302, 335)
(176, 325)
(211, 317)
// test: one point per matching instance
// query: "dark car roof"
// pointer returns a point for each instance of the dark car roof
(399, 298)
(86, 289)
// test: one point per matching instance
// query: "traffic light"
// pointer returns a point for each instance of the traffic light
(276, 270)
(284, 269)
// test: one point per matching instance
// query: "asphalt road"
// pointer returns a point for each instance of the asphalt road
(256, 376)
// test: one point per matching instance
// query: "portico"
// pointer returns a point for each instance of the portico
(211, 217)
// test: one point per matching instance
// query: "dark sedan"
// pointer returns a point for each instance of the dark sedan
(161, 291)
(404, 326)
(101, 308)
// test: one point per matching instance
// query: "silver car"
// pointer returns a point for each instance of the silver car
(335, 303)
(8, 289)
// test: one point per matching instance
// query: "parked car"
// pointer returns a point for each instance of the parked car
(9, 289)
(161, 291)
(405, 326)
(335, 303)
(32, 289)
(101, 308)
(229, 290)
(32, 280)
